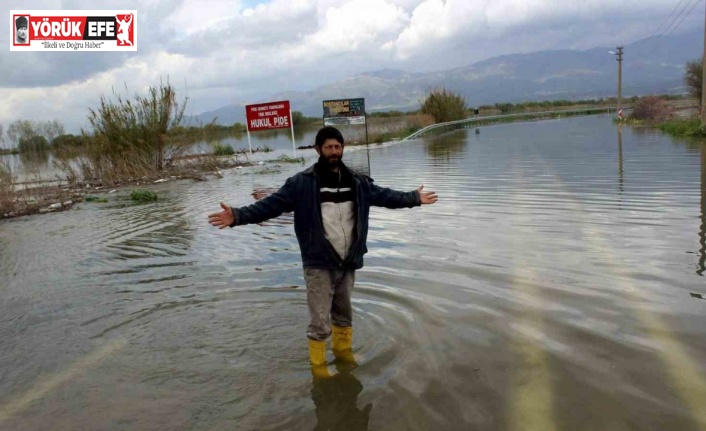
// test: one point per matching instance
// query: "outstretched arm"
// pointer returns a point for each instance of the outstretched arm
(262, 210)
(427, 198)
(222, 219)
(389, 198)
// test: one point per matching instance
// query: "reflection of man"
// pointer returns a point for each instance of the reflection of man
(336, 401)
(21, 24)
(124, 30)
(331, 205)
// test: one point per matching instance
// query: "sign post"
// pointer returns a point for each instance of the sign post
(249, 144)
(294, 147)
(269, 116)
(347, 112)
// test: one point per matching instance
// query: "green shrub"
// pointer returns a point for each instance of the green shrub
(223, 150)
(239, 128)
(137, 129)
(67, 141)
(140, 195)
(35, 144)
(505, 107)
(299, 119)
(444, 105)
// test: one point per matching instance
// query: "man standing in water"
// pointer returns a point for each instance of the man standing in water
(331, 205)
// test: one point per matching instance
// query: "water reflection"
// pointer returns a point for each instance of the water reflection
(35, 159)
(620, 159)
(453, 145)
(360, 162)
(702, 230)
(278, 139)
(336, 401)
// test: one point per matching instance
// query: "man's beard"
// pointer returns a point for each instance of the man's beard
(326, 161)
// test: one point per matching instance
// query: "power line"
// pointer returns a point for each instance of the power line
(684, 17)
(668, 18)
(671, 19)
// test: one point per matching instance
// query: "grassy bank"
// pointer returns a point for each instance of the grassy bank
(683, 127)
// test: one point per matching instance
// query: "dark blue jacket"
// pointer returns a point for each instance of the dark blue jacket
(300, 193)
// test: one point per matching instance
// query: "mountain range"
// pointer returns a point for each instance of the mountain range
(650, 66)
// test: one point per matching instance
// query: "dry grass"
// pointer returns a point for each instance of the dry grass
(84, 174)
(30, 197)
(652, 109)
(7, 189)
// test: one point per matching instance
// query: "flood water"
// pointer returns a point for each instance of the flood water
(43, 166)
(548, 289)
(265, 145)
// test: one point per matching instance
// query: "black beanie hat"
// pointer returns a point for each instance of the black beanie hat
(21, 22)
(328, 132)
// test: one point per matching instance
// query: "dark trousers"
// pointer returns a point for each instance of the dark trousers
(328, 293)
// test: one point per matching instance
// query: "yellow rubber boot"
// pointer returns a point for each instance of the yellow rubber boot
(317, 357)
(342, 342)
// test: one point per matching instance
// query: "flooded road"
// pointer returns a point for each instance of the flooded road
(548, 289)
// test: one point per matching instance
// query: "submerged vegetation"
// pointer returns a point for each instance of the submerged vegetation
(223, 150)
(684, 127)
(141, 195)
(286, 159)
(657, 112)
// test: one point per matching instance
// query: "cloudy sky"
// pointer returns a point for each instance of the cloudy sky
(221, 52)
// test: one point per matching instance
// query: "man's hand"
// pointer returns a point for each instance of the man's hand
(427, 197)
(222, 219)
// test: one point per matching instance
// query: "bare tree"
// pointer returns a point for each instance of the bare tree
(693, 78)
(50, 129)
(2, 132)
(21, 129)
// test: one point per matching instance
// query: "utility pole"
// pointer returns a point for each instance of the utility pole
(619, 57)
(703, 80)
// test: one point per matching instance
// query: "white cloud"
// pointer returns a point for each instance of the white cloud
(69, 102)
(484, 24)
(194, 16)
(356, 22)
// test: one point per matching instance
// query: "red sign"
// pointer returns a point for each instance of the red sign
(271, 115)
